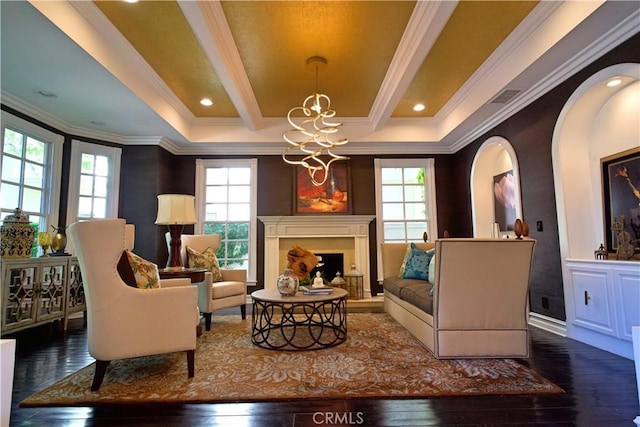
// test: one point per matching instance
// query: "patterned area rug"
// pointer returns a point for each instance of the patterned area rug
(379, 359)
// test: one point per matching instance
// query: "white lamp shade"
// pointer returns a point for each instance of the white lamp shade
(176, 209)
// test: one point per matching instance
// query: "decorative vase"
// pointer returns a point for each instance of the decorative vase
(59, 241)
(44, 239)
(525, 228)
(517, 229)
(288, 283)
(17, 236)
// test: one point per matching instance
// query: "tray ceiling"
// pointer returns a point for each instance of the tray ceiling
(158, 59)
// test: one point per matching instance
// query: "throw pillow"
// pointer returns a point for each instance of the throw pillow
(137, 272)
(407, 253)
(432, 267)
(417, 266)
(206, 260)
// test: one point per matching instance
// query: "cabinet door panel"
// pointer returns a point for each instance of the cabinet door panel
(593, 307)
(18, 301)
(628, 283)
(52, 290)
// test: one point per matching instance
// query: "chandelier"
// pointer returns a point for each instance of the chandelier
(313, 133)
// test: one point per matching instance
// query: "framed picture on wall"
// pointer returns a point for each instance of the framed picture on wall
(332, 197)
(504, 200)
(621, 196)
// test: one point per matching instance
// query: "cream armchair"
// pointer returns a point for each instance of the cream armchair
(123, 321)
(230, 292)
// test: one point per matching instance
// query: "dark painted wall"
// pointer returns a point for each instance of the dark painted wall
(530, 132)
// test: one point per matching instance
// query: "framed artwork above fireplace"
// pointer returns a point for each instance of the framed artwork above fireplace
(332, 197)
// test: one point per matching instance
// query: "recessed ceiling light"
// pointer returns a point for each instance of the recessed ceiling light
(418, 107)
(131, 1)
(614, 82)
(45, 93)
(206, 102)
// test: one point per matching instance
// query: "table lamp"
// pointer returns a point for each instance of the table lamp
(175, 211)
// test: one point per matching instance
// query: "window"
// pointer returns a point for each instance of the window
(94, 182)
(30, 171)
(405, 199)
(226, 204)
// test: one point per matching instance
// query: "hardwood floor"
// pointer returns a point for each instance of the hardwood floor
(600, 391)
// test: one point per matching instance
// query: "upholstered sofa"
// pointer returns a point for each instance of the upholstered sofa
(475, 306)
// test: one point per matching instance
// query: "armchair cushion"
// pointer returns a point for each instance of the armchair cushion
(206, 260)
(137, 272)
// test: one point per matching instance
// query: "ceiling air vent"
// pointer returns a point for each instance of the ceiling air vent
(505, 96)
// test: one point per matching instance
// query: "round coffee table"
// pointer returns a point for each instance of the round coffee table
(299, 322)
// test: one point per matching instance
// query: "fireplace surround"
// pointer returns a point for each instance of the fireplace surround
(346, 234)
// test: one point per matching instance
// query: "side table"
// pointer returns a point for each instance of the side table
(196, 275)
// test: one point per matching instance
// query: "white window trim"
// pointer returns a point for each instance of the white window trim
(201, 166)
(52, 204)
(115, 153)
(430, 191)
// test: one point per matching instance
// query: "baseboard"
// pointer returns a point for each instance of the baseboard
(548, 324)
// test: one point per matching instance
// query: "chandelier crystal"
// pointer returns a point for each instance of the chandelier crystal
(313, 133)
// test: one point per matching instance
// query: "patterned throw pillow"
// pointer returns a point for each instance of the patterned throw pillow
(417, 266)
(206, 260)
(145, 272)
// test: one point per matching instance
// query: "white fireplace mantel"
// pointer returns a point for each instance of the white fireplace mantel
(316, 226)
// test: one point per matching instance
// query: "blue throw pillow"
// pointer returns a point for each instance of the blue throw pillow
(417, 266)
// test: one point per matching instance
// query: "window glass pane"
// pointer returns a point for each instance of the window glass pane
(13, 142)
(392, 211)
(99, 207)
(391, 176)
(216, 176)
(9, 196)
(216, 193)
(238, 263)
(84, 207)
(240, 212)
(34, 175)
(413, 175)
(239, 176)
(11, 168)
(415, 230)
(87, 162)
(415, 211)
(391, 193)
(102, 166)
(238, 230)
(100, 188)
(216, 212)
(414, 193)
(239, 194)
(237, 249)
(394, 231)
(32, 200)
(214, 228)
(35, 150)
(86, 185)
